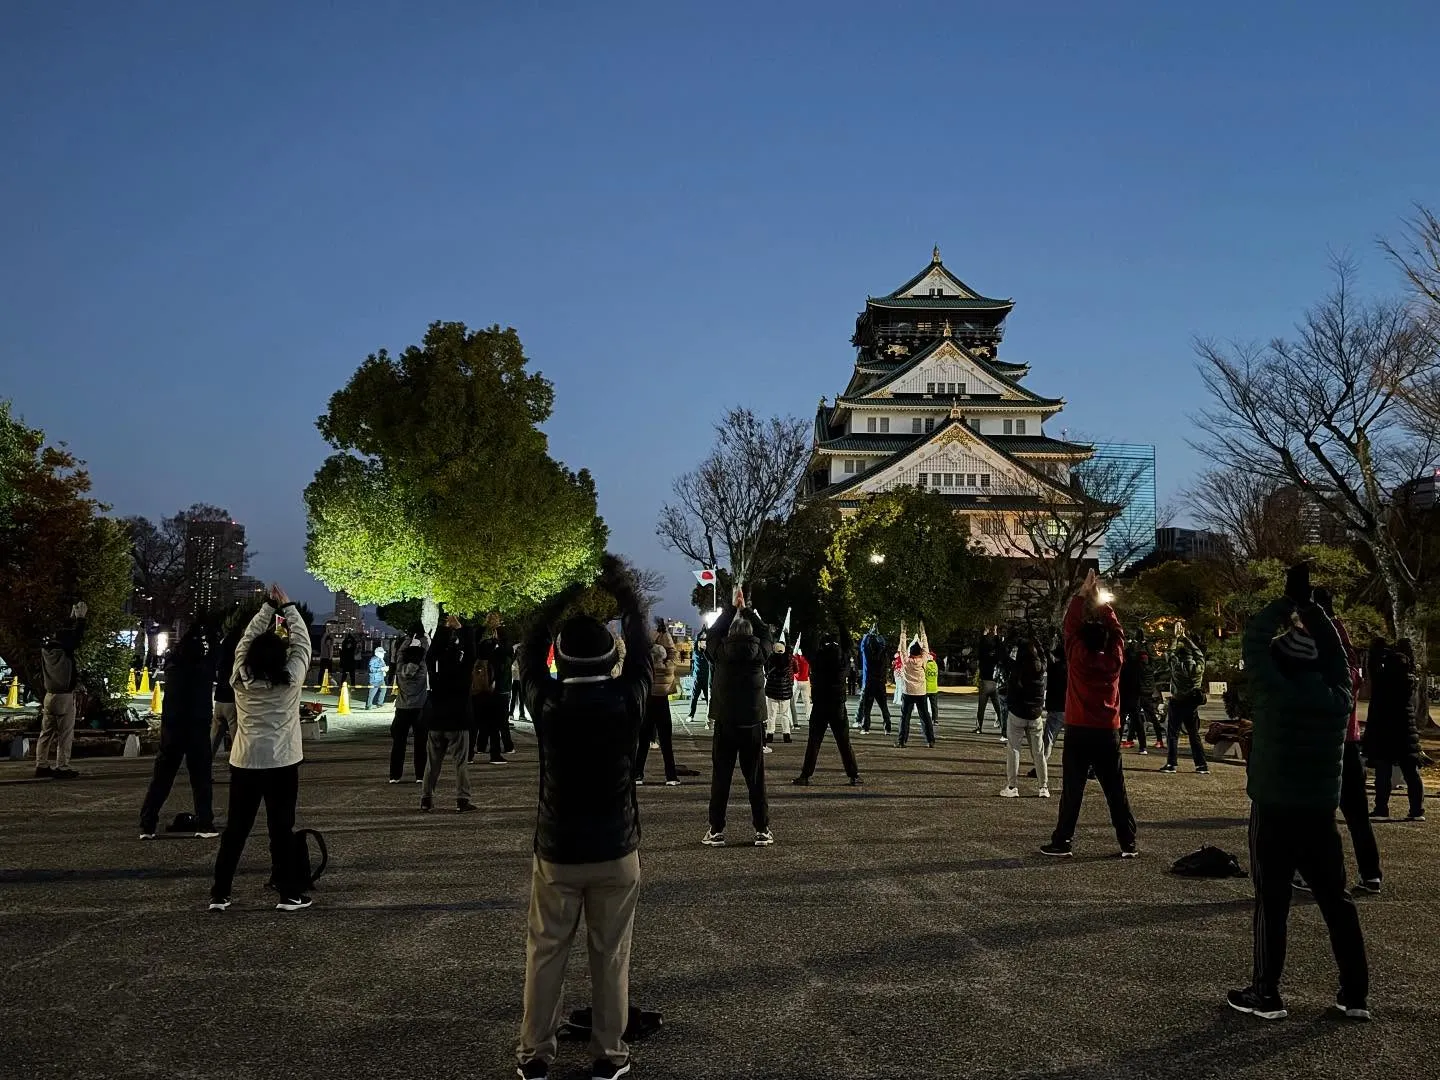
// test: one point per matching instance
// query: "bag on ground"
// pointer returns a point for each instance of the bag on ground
(306, 869)
(1208, 862)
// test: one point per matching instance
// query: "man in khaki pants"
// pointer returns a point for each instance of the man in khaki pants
(57, 716)
(587, 831)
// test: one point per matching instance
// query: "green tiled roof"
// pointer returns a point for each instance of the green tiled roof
(941, 303)
(867, 443)
(984, 365)
(1038, 444)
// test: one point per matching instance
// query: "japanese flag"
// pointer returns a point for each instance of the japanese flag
(704, 577)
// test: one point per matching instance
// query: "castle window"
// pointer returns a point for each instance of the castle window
(920, 479)
(870, 424)
(984, 479)
(960, 389)
(970, 480)
(915, 426)
(849, 465)
(1019, 427)
(950, 389)
(884, 424)
(949, 480)
(1009, 427)
(974, 423)
(929, 388)
(929, 424)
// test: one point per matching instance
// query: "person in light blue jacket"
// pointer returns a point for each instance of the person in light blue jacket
(376, 694)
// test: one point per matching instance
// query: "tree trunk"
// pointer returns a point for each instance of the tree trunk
(429, 616)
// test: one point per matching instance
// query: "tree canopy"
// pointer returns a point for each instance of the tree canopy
(442, 486)
(56, 548)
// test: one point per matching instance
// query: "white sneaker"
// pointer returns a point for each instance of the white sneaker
(1044, 793)
(766, 750)
(1010, 793)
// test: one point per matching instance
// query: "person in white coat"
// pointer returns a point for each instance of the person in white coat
(911, 680)
(268, 676)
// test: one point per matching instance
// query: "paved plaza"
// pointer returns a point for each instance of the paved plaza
(907, 928)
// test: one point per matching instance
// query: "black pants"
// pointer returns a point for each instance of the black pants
(1187, 715)
(1282, 841)
(908, 704)
(1355, 805)
(832, 717)
(279, 789)
(407, 721)
(190, 744)
(517, 702)
(702, 686)
(1087, 748)
(656, 726)
(490, 724)
(874, 694)
(1413, 785)
(347, 674)
(746, 745)
(1138, 713)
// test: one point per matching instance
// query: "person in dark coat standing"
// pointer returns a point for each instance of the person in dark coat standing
(874, 669)
(587, 825)
(740, 645)
(412, 689)
(1095, 649)
(1057, 675)
(185, 717)
(451, 663)
(224, 719)
(490, 693)
(1391, 738)
(989, 657)
(657, 724)
(1299, 680)
(1026, 701)
(828, 672)
(700, 669)
(349, 651)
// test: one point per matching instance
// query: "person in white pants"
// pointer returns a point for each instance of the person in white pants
(800, 702)
(779, 692)
(1026, 680)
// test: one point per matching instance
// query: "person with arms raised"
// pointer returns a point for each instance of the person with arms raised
(587, 830)
(185, 718)
(829, 663)
(451, 663)
(740, 644)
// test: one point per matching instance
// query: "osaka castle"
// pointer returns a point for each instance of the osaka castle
(932, 405)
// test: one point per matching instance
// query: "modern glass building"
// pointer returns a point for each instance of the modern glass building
(1131, 467)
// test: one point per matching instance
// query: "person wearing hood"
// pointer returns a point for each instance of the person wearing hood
(779, 692)
(874, 669)
(1094, 650)
(657, 725)
(587, 827)
(451, 664)
(185, 717)
(1391, 737)
(57, 715)
(828, 669)
(1300, 686)
(268, 676)
(412, 683)
(740, 645)
(375, 694)
(1187, 676)
(1026, 699)
(912, 680)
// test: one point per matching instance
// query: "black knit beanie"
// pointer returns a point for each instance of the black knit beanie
(584, 649)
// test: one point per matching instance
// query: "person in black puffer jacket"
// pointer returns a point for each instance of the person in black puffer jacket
(185, 719)
(829, 664)
(1057, 675)
(1391, 738)
(740, 644)
(1025, 698)
(587, 828)
(451, 664)
(779, 692)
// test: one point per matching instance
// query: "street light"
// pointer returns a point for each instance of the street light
(710, 616)
(876, 558)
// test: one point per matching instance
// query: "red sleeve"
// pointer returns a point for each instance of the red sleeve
(1074, 616)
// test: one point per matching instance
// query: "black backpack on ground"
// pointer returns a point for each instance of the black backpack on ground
(305, 870)
(184, 823)
(642, 1023)
(1208, 862)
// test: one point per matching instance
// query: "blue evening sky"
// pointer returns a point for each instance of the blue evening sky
(212, 212)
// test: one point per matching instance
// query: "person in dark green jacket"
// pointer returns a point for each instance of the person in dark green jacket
(1187, 677)
(1299, 680)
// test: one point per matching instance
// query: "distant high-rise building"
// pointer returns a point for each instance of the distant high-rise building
(1129, 467)
(347, 614)
(214, 562)
(1314, 522)
(245, 588)
(1191, 543)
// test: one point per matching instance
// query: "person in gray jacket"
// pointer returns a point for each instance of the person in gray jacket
(414, 688)
(268, 676)
(57, 716)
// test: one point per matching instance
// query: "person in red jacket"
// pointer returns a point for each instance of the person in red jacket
(1094, 651)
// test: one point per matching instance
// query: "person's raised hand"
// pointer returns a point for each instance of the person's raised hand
(79, 610)
(278, 595)
(739, 597)
(1090, 588)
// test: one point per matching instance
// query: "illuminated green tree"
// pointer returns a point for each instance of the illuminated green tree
(442, 487)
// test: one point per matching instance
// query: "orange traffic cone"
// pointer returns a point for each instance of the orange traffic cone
(155, 700)
(130, 682)
(343, 709)
(145, 680)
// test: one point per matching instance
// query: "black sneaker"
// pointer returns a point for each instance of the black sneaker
(1251, 1001)
(293, 903)
(1203, 770)
(764, 838)
(44, 772)
(1416, 817)
(426, 804)
(465, 806)
(1370, 887)
(64, 774)
(147, 834)
(498, 760)
(801, 781)
(1060, 851)
(855, 781)
(508, 747)
(534, 1069)
(1130, 851)
(604, 1069)
(220, 903)
(1351, 1010)
(1168, 768)
(1379, 815)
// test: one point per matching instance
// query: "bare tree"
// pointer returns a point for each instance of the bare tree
(1250, 509)
(1417, 254)
(1057, 539)
(749, 479)
(1325, 413)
